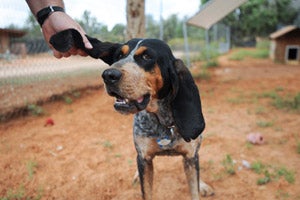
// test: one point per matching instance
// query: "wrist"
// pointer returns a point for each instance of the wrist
(36, 5)
(44, 13)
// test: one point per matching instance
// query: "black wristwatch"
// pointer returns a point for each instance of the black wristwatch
(43, 14)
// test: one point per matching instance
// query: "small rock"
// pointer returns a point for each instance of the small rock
(59, 148)
(246, 164)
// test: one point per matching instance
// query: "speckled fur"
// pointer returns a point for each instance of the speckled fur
(147, 128)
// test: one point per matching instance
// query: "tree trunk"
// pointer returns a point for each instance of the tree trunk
(135, 19)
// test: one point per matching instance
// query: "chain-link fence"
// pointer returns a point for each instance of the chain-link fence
(30, 74)
(37, 78)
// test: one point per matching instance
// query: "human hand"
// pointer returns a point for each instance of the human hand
(59, 21)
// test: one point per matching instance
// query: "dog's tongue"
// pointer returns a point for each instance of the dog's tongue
(140, 100)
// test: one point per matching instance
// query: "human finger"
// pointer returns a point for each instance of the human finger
(86, 42)
(66, 55)
(82, 53)
(73, 51)
(57, 54)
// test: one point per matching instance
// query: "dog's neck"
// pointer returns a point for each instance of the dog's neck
(164, 113)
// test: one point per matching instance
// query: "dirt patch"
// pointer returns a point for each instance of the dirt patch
(88, 153)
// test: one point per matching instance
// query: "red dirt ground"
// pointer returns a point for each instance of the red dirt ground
(88, 153)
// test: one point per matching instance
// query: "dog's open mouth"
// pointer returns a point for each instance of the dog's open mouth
(125, 105)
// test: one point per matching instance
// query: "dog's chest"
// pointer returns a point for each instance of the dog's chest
(156, 126)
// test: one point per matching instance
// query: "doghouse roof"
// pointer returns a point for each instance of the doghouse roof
(213, 11)
(283, 31)
(13, 32)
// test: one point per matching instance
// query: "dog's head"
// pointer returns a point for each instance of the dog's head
(139, 75)
(143, 71)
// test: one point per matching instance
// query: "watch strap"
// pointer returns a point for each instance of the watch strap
(44, 13)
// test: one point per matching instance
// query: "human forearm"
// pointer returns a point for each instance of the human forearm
(36, 5)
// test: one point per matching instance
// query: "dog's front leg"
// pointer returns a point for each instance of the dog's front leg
(145, 168)
(191, 169)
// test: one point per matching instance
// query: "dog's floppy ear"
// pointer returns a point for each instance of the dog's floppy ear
(186, 105)
(65, 40)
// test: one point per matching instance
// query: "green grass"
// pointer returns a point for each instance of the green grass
(270, 94)
(298, 147)
(280, 194)
(31, 167)
(239, 55)
(243, 53)
(288, 175)
(202, 75)
(107, 144)
(264, 180)
(212, 63)
(260, 110)
(263, 44)
(288, 102)
(292, 103)
(264, 124)
(20, 194)
(67, 99)
(228, 164)
(35, 110)
(236, 100)
(17, 194)
(260, 53)
(258, 167)
(271, 172)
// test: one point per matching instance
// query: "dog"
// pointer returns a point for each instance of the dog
(148, 81)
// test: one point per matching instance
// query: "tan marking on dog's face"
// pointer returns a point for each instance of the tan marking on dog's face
(155, 82)
(140, 50)
(125, 49)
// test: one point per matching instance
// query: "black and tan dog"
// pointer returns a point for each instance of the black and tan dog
(148, 81)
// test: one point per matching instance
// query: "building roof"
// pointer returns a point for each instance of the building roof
(282, 31)
(13, 32)
(213, 11)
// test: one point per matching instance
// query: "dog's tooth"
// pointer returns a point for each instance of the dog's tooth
(121, 101)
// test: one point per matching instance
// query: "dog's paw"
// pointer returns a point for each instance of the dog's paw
(136, 179)
(206, 190)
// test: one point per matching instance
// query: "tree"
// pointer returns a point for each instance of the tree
(202, 2)
(259, 18)
(172, 28)
(135, 13)
(117, 33)
(89, 23)
(152, 27)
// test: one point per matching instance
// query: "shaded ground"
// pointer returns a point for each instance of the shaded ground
(37, 77)
(88, 153)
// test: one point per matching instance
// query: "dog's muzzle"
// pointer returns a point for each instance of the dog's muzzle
(123, 104)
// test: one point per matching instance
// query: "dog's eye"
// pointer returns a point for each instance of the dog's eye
(146, 57)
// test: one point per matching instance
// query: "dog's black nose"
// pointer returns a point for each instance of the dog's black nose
(111, 76)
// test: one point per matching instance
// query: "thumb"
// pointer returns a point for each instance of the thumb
(86, 42)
